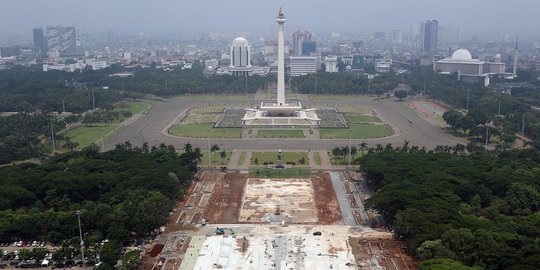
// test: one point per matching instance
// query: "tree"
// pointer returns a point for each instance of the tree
(401, 94)
(110, 253)
(445, 264)
(354, 151)
(130, 260)
(523, 196)
(467, 123)
(223, 155)
(256, 161)
(363, 147)
(336, 152)
(454, 119)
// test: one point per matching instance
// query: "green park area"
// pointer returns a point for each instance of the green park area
(199, 123)
(280, 173)
(86, 135)
(216, 158)
(283, 133)
(262, 158)
(317, 158)
(363, 124)
(242, 158)
(343, 159)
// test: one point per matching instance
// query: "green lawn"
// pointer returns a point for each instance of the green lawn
(132, 107)
(317, 158)
(358, 131)
(217, 97)
(88, 135)
(361, 118)
(241, 159)
(271, 157)
(354, 110)
(273, 133)
(203, 129)
(215, 158)
(340, 160)
(280, 173)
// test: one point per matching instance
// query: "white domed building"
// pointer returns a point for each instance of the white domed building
(240, 57)
(462, 63)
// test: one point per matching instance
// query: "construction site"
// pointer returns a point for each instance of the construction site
(233, 221)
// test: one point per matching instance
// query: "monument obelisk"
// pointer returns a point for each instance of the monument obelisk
(281, 59)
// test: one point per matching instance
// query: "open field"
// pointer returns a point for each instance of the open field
(361, 118)
(276, 200)
(208, 114)
(286, 157)
(358, 131)
(217, 97)
(85, 136)
(355, 110)
(284, 133)
(203, 130)
(340, 160)
(215, 158)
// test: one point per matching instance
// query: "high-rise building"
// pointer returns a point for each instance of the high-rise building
(40, 42)
(61, 39)
(298, 38)
(303, 65)
(397, 36)
(308, 47)
(429, 36)
(240, 57)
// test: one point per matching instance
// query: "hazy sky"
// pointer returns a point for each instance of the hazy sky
(257, 16)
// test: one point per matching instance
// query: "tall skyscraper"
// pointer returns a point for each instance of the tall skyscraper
(298, 38)
(428, 36)
(240, 57)
(397, 36)
(62, 39)
(40, 42)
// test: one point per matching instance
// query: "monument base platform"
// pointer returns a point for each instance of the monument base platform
(261, 117)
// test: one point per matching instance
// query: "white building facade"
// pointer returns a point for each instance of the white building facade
(303, 65)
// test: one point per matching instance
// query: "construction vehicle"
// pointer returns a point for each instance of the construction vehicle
(221, 231)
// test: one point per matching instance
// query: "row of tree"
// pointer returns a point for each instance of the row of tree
(457, 211)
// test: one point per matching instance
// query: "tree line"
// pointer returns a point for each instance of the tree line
(457, 210)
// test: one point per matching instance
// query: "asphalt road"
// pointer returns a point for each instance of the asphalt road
(408, 124)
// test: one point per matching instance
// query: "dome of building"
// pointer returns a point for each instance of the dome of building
(498, 56)
(240, 42)
(462, 54)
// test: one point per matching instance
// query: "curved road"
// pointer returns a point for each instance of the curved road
(148, 127)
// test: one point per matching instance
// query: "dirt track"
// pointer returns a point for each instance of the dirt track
(328, 211)
(224, 205)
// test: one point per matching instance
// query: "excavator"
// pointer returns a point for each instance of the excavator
(221, 231)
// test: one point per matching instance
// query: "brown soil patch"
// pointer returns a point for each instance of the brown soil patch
(224, 205)
(242, 244)
(388, 252)
(328, 211)
(156, 250)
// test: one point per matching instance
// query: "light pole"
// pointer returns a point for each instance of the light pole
(468, 99)
(208, 140)
(487, 135)
(80, 235)
(93, 100)
(52, 136)
(349, 148)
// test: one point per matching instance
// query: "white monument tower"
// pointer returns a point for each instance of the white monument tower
(281, 112)
(281, 58)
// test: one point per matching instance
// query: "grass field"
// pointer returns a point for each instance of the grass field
(241, 159)
(132, 107)
(88, 135)
(215, 158)
(361, 118)
(340, 160)
(358, 131)
(355, 110)
(203, 129)
(317, 158)
(332, 97)
(271, 157)
(272, 133)
(217, 97)
(280, 173)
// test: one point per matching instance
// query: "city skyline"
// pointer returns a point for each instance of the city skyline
(166, 16)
